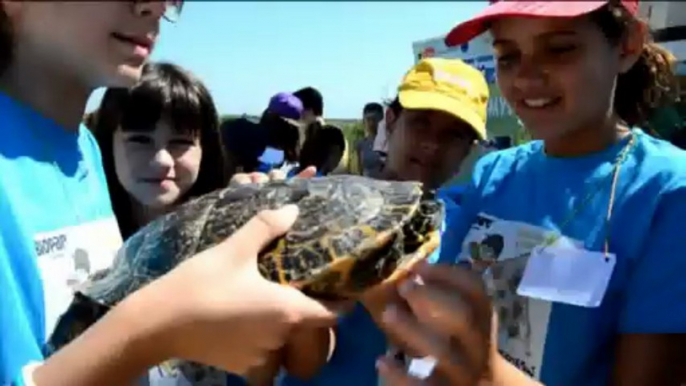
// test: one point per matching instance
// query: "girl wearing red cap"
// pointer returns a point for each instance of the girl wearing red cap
(581, 226)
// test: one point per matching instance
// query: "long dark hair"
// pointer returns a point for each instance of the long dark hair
(165, 91)
(651, 83)
(6, 40)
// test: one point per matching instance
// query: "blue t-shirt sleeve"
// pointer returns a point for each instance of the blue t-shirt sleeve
(18, 322)
(656, 289)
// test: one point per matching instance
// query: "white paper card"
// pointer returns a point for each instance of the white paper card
(567, 275)
(422, 367)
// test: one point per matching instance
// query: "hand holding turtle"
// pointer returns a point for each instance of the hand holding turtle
(214, 309)
(216, 301)
(224, 312)
(445, 314)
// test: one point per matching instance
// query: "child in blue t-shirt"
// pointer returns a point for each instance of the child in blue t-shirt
(577, 233)
(432, 127)
(57, 226)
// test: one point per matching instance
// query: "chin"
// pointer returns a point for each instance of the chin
(124, 76)
(159, 202)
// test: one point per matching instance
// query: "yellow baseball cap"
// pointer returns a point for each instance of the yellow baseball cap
(448, 85)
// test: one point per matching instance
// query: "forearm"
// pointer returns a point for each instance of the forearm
(506, 374)
(115, 351)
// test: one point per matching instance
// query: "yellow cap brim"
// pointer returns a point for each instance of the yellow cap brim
(426, 100)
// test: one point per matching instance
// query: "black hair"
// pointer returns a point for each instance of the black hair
(323, 148)
(678, 138)
(372, 108)
(395, 106)
(165, 91)
(311, 99)
(651, 83)
(6, 40)
(282, 134)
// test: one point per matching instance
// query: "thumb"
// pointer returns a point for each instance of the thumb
(308, 172)
(260, 230)
(303, 309)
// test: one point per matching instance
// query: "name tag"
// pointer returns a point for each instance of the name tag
(569, 275)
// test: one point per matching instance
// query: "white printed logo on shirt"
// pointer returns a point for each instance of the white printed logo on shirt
(67, 256)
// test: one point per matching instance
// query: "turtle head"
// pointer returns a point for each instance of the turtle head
(424, 225)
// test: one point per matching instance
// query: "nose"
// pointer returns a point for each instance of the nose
(530, 74)
(429, 143)
(151, 8)
(162, 160)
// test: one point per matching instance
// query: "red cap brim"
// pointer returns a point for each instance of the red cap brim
(474, 27)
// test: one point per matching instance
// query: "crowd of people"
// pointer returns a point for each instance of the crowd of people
(559, 263)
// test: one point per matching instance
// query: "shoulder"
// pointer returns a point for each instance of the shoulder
(659, 163)
(333, 135)
(499, 164)
(89, 143)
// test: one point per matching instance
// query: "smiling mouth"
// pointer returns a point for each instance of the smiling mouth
(540, 103)
(143, 42)
(156, 180)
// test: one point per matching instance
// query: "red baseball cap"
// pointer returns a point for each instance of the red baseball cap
(470, 29)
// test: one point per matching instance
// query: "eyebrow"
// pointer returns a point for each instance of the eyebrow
(545, 35)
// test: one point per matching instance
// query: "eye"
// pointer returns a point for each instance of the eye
(560, 49)
(420, 123)
(139, 139)
(507, 60)
(182, 142)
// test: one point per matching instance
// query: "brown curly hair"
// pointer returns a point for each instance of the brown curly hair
(651, 83)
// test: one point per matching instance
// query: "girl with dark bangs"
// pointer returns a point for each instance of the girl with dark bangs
(57, 226)
(160, 144)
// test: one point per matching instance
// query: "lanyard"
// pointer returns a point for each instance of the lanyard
(617, 165)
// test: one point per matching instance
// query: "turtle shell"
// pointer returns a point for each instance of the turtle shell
(351, 233)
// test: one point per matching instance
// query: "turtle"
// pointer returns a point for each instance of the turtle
(352, 233)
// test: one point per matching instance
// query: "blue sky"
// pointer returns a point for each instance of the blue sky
(353, 52)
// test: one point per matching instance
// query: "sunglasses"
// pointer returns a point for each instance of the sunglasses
(172, 9)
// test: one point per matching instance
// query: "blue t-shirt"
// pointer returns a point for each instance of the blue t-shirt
(56, 226)
(359, 342)
(520, 195)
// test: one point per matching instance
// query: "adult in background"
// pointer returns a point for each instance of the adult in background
(324, 148)
(269, 144)
(369, 162)
(313, 111)
(313, 104)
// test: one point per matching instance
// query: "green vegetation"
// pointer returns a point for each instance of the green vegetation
(353, 131)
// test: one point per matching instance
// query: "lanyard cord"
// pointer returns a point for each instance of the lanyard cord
(615, 178)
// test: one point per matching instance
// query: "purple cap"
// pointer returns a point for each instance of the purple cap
(286, 105)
